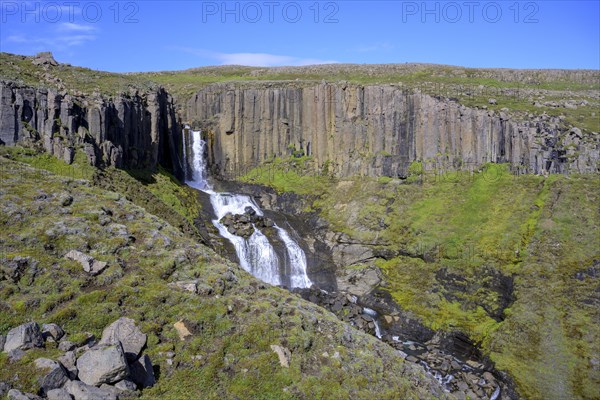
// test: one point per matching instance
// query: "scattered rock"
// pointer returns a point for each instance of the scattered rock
(203, 289)
(492, 101)
(69, 361)
(142, 373)
(182, 330)
(52, 332)
(283, 354)
(2, 341)
(130, 336)
(126, 386)
(54, 375)
(103, 364)
(15, 394)
(81, 391)
(4, 388)
(58, 394)
(24, 337)
(15, 355)
(44, 58)
(89, 264)
(66, 199)
(190, 286)
(66, 345)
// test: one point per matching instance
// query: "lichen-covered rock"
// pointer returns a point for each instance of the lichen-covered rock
(125, 332)
(103, 364)
(24, 337)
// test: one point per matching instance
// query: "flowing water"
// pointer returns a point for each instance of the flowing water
(256, 254)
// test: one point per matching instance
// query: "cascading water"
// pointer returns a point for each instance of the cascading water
(256, 254)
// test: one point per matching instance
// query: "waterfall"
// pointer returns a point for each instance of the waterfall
(372, 313)
(256, 254)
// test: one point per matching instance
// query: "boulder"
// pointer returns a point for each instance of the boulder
(66, 345)
(24, 337)
(15, 394)
(103, 364)
(53, 375)
(81, 391)
(130, 336)
(126, 386)
(89, 264)
(58, 394)
(69, 361)
(142, 372)
(52, 332)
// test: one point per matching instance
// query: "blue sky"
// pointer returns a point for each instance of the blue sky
(126, 36)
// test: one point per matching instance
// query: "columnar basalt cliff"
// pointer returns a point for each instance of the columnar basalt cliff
(377, 130)
(137, 130)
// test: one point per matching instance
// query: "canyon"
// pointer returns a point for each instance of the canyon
(348, 170)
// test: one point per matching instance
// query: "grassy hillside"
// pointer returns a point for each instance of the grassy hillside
(232, 325)
(510, 260)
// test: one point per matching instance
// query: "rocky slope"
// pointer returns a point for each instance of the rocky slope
(213, 331)
(378, 130)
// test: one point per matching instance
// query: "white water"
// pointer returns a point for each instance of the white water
(373, 314)
(256, 254)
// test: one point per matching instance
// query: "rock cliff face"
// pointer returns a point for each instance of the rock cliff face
(376, 130)
(136, 131)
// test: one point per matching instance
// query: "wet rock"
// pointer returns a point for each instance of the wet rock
(89, 264)
(142, 372)
(125, 331)
(103, 364)
(24, 337)
(54, 375)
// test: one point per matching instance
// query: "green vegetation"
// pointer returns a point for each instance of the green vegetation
(464, 236)
(228, 354)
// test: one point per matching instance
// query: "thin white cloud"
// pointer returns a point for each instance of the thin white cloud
(73, 27)
(256, 59)
(375, 47)
(59, 42)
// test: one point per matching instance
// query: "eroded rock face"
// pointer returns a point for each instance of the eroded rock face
(336, 123)
(130, 130)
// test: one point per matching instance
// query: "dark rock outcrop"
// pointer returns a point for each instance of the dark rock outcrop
(376, 131)
(135, 130)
